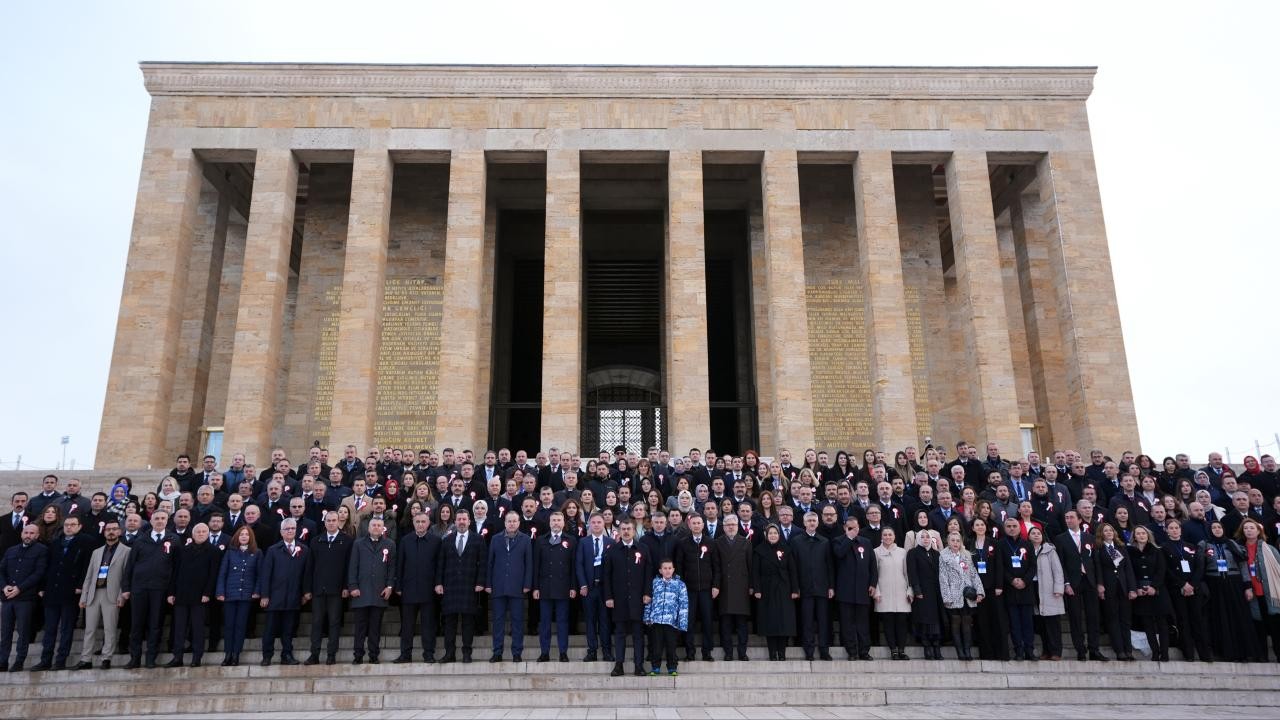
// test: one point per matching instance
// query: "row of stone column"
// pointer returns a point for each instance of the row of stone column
(141, 382)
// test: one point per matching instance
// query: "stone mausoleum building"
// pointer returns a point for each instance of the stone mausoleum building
(534, 256)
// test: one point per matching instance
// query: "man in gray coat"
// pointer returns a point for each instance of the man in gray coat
(371, 577)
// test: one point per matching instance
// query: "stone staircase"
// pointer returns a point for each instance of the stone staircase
(1166, 690)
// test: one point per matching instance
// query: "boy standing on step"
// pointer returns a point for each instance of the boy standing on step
(667, 613)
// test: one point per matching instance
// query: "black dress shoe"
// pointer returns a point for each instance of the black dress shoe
(288, 660)
(742, 656)
(466, 659)
(174, 663)
(150, 665)
(564, 657)
(195, 663)
(589, 657)
(429, 659)
(617, 670)
(84, 665)
(495, 658)
(544, 658)
(226, 661)
(106, 664)
(16, 667)
(313, 659)
(373, 660)
(447, 659)
(266, 662)
(331, 660)
(688, 657)
(63, 666)
(41, 667)
(640, 672)
(607, 656)
(357, 661)
(825, 656)
(401, 660)
(517, 658)
(1099, 657)
(706, 657)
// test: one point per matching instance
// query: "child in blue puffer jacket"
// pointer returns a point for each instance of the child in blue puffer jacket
(667, 613)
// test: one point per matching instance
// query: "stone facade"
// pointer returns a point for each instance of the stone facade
(900, 288)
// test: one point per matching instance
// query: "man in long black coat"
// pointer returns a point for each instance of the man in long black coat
(812, 554)
(280, 587)
(419, 554)
(553, 585)
(627, 575)
(693, 557)
(146, 584)
(68, 560)
(324, 584)
(460, 577)
(857, 575)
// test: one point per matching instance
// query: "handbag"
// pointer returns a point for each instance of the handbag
(970, 592)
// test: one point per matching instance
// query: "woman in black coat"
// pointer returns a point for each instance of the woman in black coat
(1152, 603)
(773, 578)
(1231, 633)
(1116, 588)
(926, 609)
(991, 622)
(191, 587)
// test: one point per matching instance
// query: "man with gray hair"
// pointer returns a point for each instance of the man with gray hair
(280, 589)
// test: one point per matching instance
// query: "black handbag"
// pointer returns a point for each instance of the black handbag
(970, 592)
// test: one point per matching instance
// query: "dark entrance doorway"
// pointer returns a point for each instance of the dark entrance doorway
(730, 347)
(515, 415)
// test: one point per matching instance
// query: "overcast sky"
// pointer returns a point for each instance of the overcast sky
(1184, 119)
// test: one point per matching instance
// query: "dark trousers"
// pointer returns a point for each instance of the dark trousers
(731, 625)
(634, 628)
(815, 625)
(664, 644)
(599, 632)
(188, 621)
(147, 608)
(507, 609)
(1021, 629)
(15, 617)
(59, 626)
(326, 623)
(700, 612)
(1193, 631)
(451, 622)
(558, 611)
(409, 617)
(213, 616)
(283, 623)
(235, 625)
(1157, 629)
(1082, 616)
(855, 628)
(1118, 613)
(894, 625)
(1267, 627)
(1051, 635)
(368, 631)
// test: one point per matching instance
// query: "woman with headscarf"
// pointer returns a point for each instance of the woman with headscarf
(776, 588)
(926, 607)
(1231, 633)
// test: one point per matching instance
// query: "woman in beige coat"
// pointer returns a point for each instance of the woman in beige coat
(1049, 585)
(893, 593)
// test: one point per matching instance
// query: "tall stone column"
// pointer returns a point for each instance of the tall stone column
(562, 303)
(980, 289)
(893, 410)
(688, 415)
(364, 272)
(458, 419)
(788, 313)
(144, 361)
(256, 357)
(1097, 367)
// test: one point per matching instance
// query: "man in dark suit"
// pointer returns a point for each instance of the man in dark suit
(280, 585)
(146, 584)
(816, 577)
(1018, 564)
(68, 560)
(460, 576)
(371, 579)
(22, 569)
(857, 575)
(553, 585)
(419, 553)
(48, 495)
(589, 560)
(12, 522)
(1075, 550)
(693, 559)
(510, 574)
(626, 575)
(324, 584)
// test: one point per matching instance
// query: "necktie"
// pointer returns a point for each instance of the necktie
(462, 542)
(156, 536)
(331, 538)
(1076, 537)
(235, 517)
(17, 521)
(597, 547)
(555, 539)
(1112, 552)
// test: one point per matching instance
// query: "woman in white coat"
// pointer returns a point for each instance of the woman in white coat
(1049, 584)
(893, 593)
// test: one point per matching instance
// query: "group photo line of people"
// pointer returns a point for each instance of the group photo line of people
(683, 557)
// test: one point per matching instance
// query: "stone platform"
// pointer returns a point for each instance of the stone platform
(792, 689)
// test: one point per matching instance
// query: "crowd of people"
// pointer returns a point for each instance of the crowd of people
(681, 555)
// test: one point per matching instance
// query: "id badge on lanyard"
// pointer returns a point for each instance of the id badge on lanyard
(1222, 566)
(982, 567)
